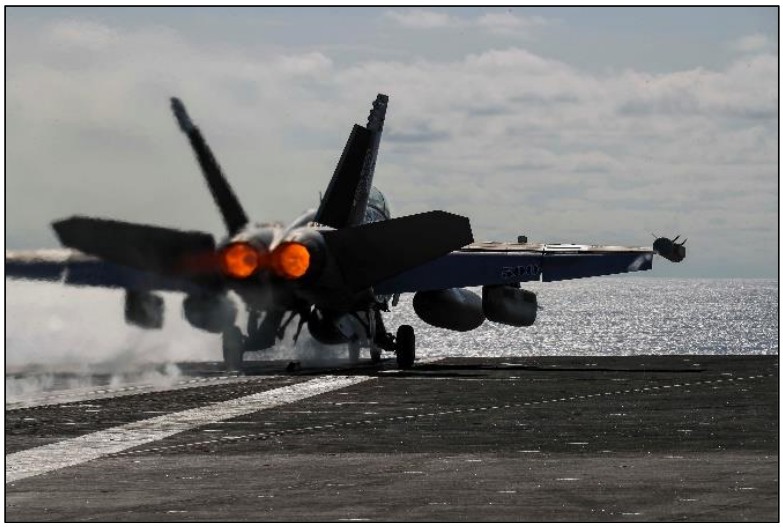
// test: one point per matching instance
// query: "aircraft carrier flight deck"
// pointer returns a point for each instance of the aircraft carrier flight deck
(642, 438)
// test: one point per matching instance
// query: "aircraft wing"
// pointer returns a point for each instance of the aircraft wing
(75, 268)
(505, 263)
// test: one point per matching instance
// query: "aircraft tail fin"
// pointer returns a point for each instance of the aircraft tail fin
(338, 201)
(233, 214)
(345, 201)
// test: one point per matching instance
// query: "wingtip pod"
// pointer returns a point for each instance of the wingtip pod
(181, 114)
(670, 249)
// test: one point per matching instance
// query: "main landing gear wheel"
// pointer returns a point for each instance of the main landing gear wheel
(354, 349)
(406, 347)
(233, 348)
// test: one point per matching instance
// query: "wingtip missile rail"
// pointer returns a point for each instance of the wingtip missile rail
(670, 249)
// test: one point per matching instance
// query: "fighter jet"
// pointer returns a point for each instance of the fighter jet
(336, 269)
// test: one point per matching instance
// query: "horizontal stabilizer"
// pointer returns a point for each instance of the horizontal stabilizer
(144, 247)
(376, 251)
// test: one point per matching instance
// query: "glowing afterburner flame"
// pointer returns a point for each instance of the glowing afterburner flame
(291, 260)
(240, 260)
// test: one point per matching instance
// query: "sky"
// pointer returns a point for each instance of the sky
(588, 125)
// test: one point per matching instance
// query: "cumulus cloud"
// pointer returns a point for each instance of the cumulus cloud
(751, 43)
(423, 19)
(307, 64)
(509, 23)
(514, 139)
(500, 23)
(744, 90)
(82, 34)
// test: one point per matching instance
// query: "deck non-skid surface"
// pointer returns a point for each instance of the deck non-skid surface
(516, 439)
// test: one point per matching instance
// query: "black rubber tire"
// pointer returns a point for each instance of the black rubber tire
(233, 348)
(375, 354)
(406, 347)
(354, 351)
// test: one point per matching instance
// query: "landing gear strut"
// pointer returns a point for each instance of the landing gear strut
(354, 349)
(233, 348)
(405, 347)
(260, 336)
(376, 335)
(375, 353)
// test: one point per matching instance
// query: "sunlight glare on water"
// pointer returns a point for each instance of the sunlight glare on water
(624, 316)
(53, 324)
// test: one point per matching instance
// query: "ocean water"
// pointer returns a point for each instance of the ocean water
(50, 324)
(626, 316)
(52, 329)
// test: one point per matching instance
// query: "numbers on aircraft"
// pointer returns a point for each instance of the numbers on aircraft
(520, 271)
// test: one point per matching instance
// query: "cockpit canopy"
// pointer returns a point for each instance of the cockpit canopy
(377, 208)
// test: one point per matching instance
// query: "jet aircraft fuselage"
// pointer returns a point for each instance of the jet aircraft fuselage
(337, 267)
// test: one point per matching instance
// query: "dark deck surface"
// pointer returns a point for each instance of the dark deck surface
(516, 439)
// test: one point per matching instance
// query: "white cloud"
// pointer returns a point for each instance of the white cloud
(307, 64)
(423, 19)
(80, 33)
(746, 89)
(751, 43)
(500, 23)
(513, 139)
(509, 23)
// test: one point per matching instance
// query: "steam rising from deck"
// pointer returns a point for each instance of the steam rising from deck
(80, 335)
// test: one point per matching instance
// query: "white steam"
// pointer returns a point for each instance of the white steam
(58, 328)
(68, 338)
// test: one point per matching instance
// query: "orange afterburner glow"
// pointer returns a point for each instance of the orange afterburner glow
(291, 260)
(240, 260)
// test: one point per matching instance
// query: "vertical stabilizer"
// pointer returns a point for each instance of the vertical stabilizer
(345, 201)
(233, 214)
(375, 126)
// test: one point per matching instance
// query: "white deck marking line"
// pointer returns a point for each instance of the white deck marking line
(78, 450)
